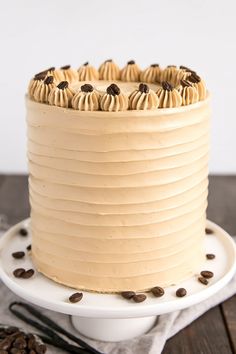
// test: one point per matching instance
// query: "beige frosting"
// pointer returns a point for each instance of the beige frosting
(201, 88)
(170, 74)
(86, 101)
(141, 100)
(61, 97)
(58, 75)
(69, 74)
(151, 74)
(131, 72)
(189, 93)
(87, 73)
(42, 91)
(169, 98)
(109, 71)
(118, 199)
(33, 85)
(114, 102)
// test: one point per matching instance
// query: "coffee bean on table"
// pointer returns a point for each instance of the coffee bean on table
(18, 255)
(139, 297)
(27, 274)
(203, 280)
(23, 232)
(18, 272)
(76, 297)
(207, 274)
(181, 292)
(20, 343)
(210, 256)
(208, 231)
(128, 294)
(158, 291)
(29, 248)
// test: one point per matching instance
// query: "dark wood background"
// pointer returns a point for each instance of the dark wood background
(212, 333)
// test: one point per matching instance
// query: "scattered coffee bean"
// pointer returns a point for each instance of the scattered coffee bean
(18, 272)
(40, 348)
(18, 255)
(20, 343)
(139, 297)
(27, 274)
(210, 256)
(76, 297)
(207, 274)
(158, 291)
(29, 248)
(181, 292)
(128, 294)
(23, 232)
(208, 231)
(203, 280)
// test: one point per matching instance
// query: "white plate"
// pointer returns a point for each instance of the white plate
(46, 293)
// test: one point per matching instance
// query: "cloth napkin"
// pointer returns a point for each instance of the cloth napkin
(152, 342)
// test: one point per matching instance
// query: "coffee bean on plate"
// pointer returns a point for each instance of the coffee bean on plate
(27, 274)
(158, 291)
(210, 256)
(128, 294)
(29, 248)
(23, 232)
(203, 280)
(18, 255)
(18, 272)
(208, 231)
(139, 297)
(181, 292)
(76, 297)
(207, 274)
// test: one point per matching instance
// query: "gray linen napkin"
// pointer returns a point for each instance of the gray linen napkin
(150, 343)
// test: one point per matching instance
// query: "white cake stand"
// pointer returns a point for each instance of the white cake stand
(109, 317)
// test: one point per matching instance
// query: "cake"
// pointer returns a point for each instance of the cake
(118, 164)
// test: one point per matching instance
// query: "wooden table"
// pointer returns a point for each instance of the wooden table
(212, 333)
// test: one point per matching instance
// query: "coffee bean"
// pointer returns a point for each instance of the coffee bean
(18, 255)
(128, 294)
(31, 342)
(158, 291)
(5, 344)
(181, 292)
(29, 248)
(18, 272)
(203, 280)
(76, 297)
(40, 348)
(23, 232)
(27, 274)
(208, 231)
(210, 256)
(207, 274)
(139, 297)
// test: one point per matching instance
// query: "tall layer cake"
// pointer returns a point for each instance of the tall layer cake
(118, 163)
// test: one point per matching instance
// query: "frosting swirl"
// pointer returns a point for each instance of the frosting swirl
(199, 84)
(87, 73)
(69, 74)
(169, 97)
(143, 98)
(151, 74)
(188, 92)
(113, 100)
(35, 82)
(130, 72)
(86, 99)
(43, 89)
(109, 71)
(169, 74)
(61, 95)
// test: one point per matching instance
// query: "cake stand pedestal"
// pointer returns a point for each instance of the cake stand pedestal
(109, 317)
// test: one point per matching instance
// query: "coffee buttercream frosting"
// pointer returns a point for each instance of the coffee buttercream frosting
(61, 95)
(199, 84)
(35, 82)
(87, 99)
(109, 70)
(143, 98)
(114, 100)
(188, 93)
(87, 72)
(69, 74)
(44, 88)
(151, 74)
(131, 72)
(168, 96)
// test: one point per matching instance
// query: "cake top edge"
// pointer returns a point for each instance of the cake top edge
(111, 89)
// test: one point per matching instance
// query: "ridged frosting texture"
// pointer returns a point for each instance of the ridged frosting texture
(168, 97)
(118, 200)
(151, 74)
(143, 98)
(109, 71)
(61, 95)
(43, 89)
(87, 72)
(114, 100)
(189, 93)
(131, 72)
(86, 99)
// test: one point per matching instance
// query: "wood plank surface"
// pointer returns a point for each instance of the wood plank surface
(212, 333)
